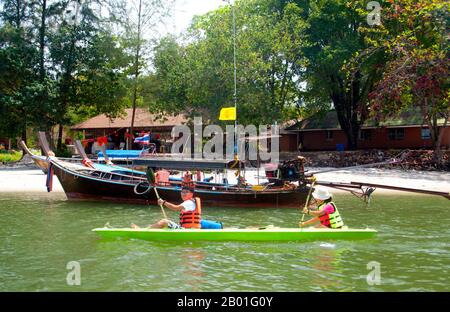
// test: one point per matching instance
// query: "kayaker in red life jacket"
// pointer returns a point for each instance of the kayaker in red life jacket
(190, 212)
(326, 214)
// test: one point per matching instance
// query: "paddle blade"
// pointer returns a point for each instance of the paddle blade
(235, 164)
(150, 175)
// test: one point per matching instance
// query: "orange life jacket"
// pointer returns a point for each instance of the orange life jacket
(192, 219)
(162, 177)
(187, 180)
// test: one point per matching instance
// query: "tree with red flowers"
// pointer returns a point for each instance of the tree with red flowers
(415, 38)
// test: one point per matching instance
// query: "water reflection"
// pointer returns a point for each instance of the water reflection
(192, 268)
(327, 261)
(39, 235)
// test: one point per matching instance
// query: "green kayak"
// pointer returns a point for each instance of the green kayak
(233, 234)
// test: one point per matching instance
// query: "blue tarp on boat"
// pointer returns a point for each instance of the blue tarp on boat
(121, 153)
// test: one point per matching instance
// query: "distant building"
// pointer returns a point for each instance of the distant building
(116, 129)
(4, 143)
(324, 133)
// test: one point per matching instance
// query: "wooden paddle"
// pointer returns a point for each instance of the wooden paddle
(307, 198)
(151, 179)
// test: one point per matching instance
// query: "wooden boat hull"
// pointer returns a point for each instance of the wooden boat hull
(82, 187)
(41, 162)
(266, 234)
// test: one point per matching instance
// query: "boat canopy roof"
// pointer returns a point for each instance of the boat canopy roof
(183, 164)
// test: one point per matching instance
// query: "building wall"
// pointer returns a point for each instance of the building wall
(379, 139)
(163, 131)
(317, 140)
(412, 139)
(4, 142)
(288, 142)
(446, 138)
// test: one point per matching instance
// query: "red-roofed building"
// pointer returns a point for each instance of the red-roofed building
(115, 129)
(323, 133)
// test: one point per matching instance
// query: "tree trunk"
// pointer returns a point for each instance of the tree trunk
(347, 120)
(60, 135)
(18, 17)
(24, 138)
(346, 101)
(438, 155)
(436, 136)
(65, 89)
(42, 40)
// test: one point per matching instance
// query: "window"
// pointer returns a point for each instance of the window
(425, 134)
(365, 135)
(329, 135)
(396, 134)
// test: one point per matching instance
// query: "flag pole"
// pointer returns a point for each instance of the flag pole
(236, 151)
(235, 79)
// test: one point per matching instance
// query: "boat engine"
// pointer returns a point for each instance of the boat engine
(286, 171)
(292, 170)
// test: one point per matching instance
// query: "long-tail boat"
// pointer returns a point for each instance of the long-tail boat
(110, 183)
(84, 180)
(40, 161)
(114, 183)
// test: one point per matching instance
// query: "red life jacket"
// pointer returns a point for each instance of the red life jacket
(192, 219)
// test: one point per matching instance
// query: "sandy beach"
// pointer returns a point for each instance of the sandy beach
(33, 180)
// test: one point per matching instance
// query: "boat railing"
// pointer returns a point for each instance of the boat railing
(200, 185)
(109, 176)
(105, 175)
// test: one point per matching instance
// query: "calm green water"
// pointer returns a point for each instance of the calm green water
(41, 233)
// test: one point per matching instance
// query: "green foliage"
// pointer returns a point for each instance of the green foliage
(9, 156)
(197, 77)
(63, 152)
(291, 63)
(334, 39)
(84, 74)
(100, 83)
(416, 73)
(294, 58)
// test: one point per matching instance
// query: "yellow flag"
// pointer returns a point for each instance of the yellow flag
(228, 113)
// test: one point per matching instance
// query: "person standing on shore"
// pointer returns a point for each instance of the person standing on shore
(326, 215)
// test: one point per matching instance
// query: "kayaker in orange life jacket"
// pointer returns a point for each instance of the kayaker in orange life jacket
(326, 214)
(190, 212)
